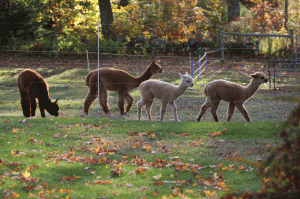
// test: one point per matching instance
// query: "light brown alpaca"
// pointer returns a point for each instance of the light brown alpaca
(230, 92)
(115, 80)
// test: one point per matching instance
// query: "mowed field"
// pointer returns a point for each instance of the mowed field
(66, 80)
(100, 156)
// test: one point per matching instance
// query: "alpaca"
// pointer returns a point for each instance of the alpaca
(32, 85)
(230, 92)
(163, 91)
(115, 80)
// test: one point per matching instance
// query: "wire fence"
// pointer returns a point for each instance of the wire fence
(66, 72)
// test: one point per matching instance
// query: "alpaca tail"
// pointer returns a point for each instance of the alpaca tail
(205, 88)
(87, 80)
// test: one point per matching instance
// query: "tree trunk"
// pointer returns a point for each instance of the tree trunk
(233, 9)
(286, 13)
(106, 18)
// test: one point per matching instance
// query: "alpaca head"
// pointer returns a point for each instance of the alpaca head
(260, 77)
(187, 80)
(52, 108)
(155, 67)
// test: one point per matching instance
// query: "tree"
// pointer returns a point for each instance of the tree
(106, 18)
(233, 9)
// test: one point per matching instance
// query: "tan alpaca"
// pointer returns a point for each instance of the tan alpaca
(115, 80)
(163, 91)
(230, 92)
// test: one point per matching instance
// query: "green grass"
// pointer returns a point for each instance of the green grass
(56, 136)
(72, 136)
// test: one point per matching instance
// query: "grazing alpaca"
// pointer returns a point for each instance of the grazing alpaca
(163, 91)
(31, 86)
(115, 80)
(230, 92)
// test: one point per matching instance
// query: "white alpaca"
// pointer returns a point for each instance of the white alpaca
(230, 92)
(163, 91)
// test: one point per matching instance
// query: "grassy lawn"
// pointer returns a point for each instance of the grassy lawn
(85, 157)
(99, 156)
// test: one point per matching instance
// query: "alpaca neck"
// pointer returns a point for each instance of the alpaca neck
(180, 89)
(145, 76)
(251, 88)
(45, 100)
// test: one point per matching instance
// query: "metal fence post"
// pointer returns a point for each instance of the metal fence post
(222, 46)
(199, 64)
(192, 68)
(205, 58)
(296, 50)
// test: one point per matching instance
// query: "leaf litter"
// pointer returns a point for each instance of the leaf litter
(97, 151)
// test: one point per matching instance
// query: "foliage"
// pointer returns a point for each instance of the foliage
(173, 20)
(74, 22)
(18, 27)
(266, 16)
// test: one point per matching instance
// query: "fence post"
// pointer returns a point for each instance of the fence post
(205, 54)
(199, 64)
(296, 50)
(192, 68)
(269, 73)
(222, 45)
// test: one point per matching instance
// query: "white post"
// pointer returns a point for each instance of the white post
(98, 71)
(87, 57)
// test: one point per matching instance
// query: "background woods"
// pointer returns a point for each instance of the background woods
(71, 25)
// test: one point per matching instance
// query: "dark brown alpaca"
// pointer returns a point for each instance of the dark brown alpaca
(31, 86)
(115, 80)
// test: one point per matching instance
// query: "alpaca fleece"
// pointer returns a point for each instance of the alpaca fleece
(164, 91)
(111, 79)
(32, 86)
(230, 92)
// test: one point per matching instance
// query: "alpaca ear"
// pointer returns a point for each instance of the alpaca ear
(56, 100)
(186, 73)
(154, 61)
(254, 76)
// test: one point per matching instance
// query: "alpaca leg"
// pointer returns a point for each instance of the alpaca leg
(32, 106)
(173, 106)
(103, 100)
(25, 103)
(148, 109)
(121, 103)
(243, 111)
(163, 110)
(129, 100)
(140, 104)
(90, 97)
(230, 111)
(213, 110)
(203, 109)
(41, 107)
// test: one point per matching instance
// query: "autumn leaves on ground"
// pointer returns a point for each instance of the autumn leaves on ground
(88, 158)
